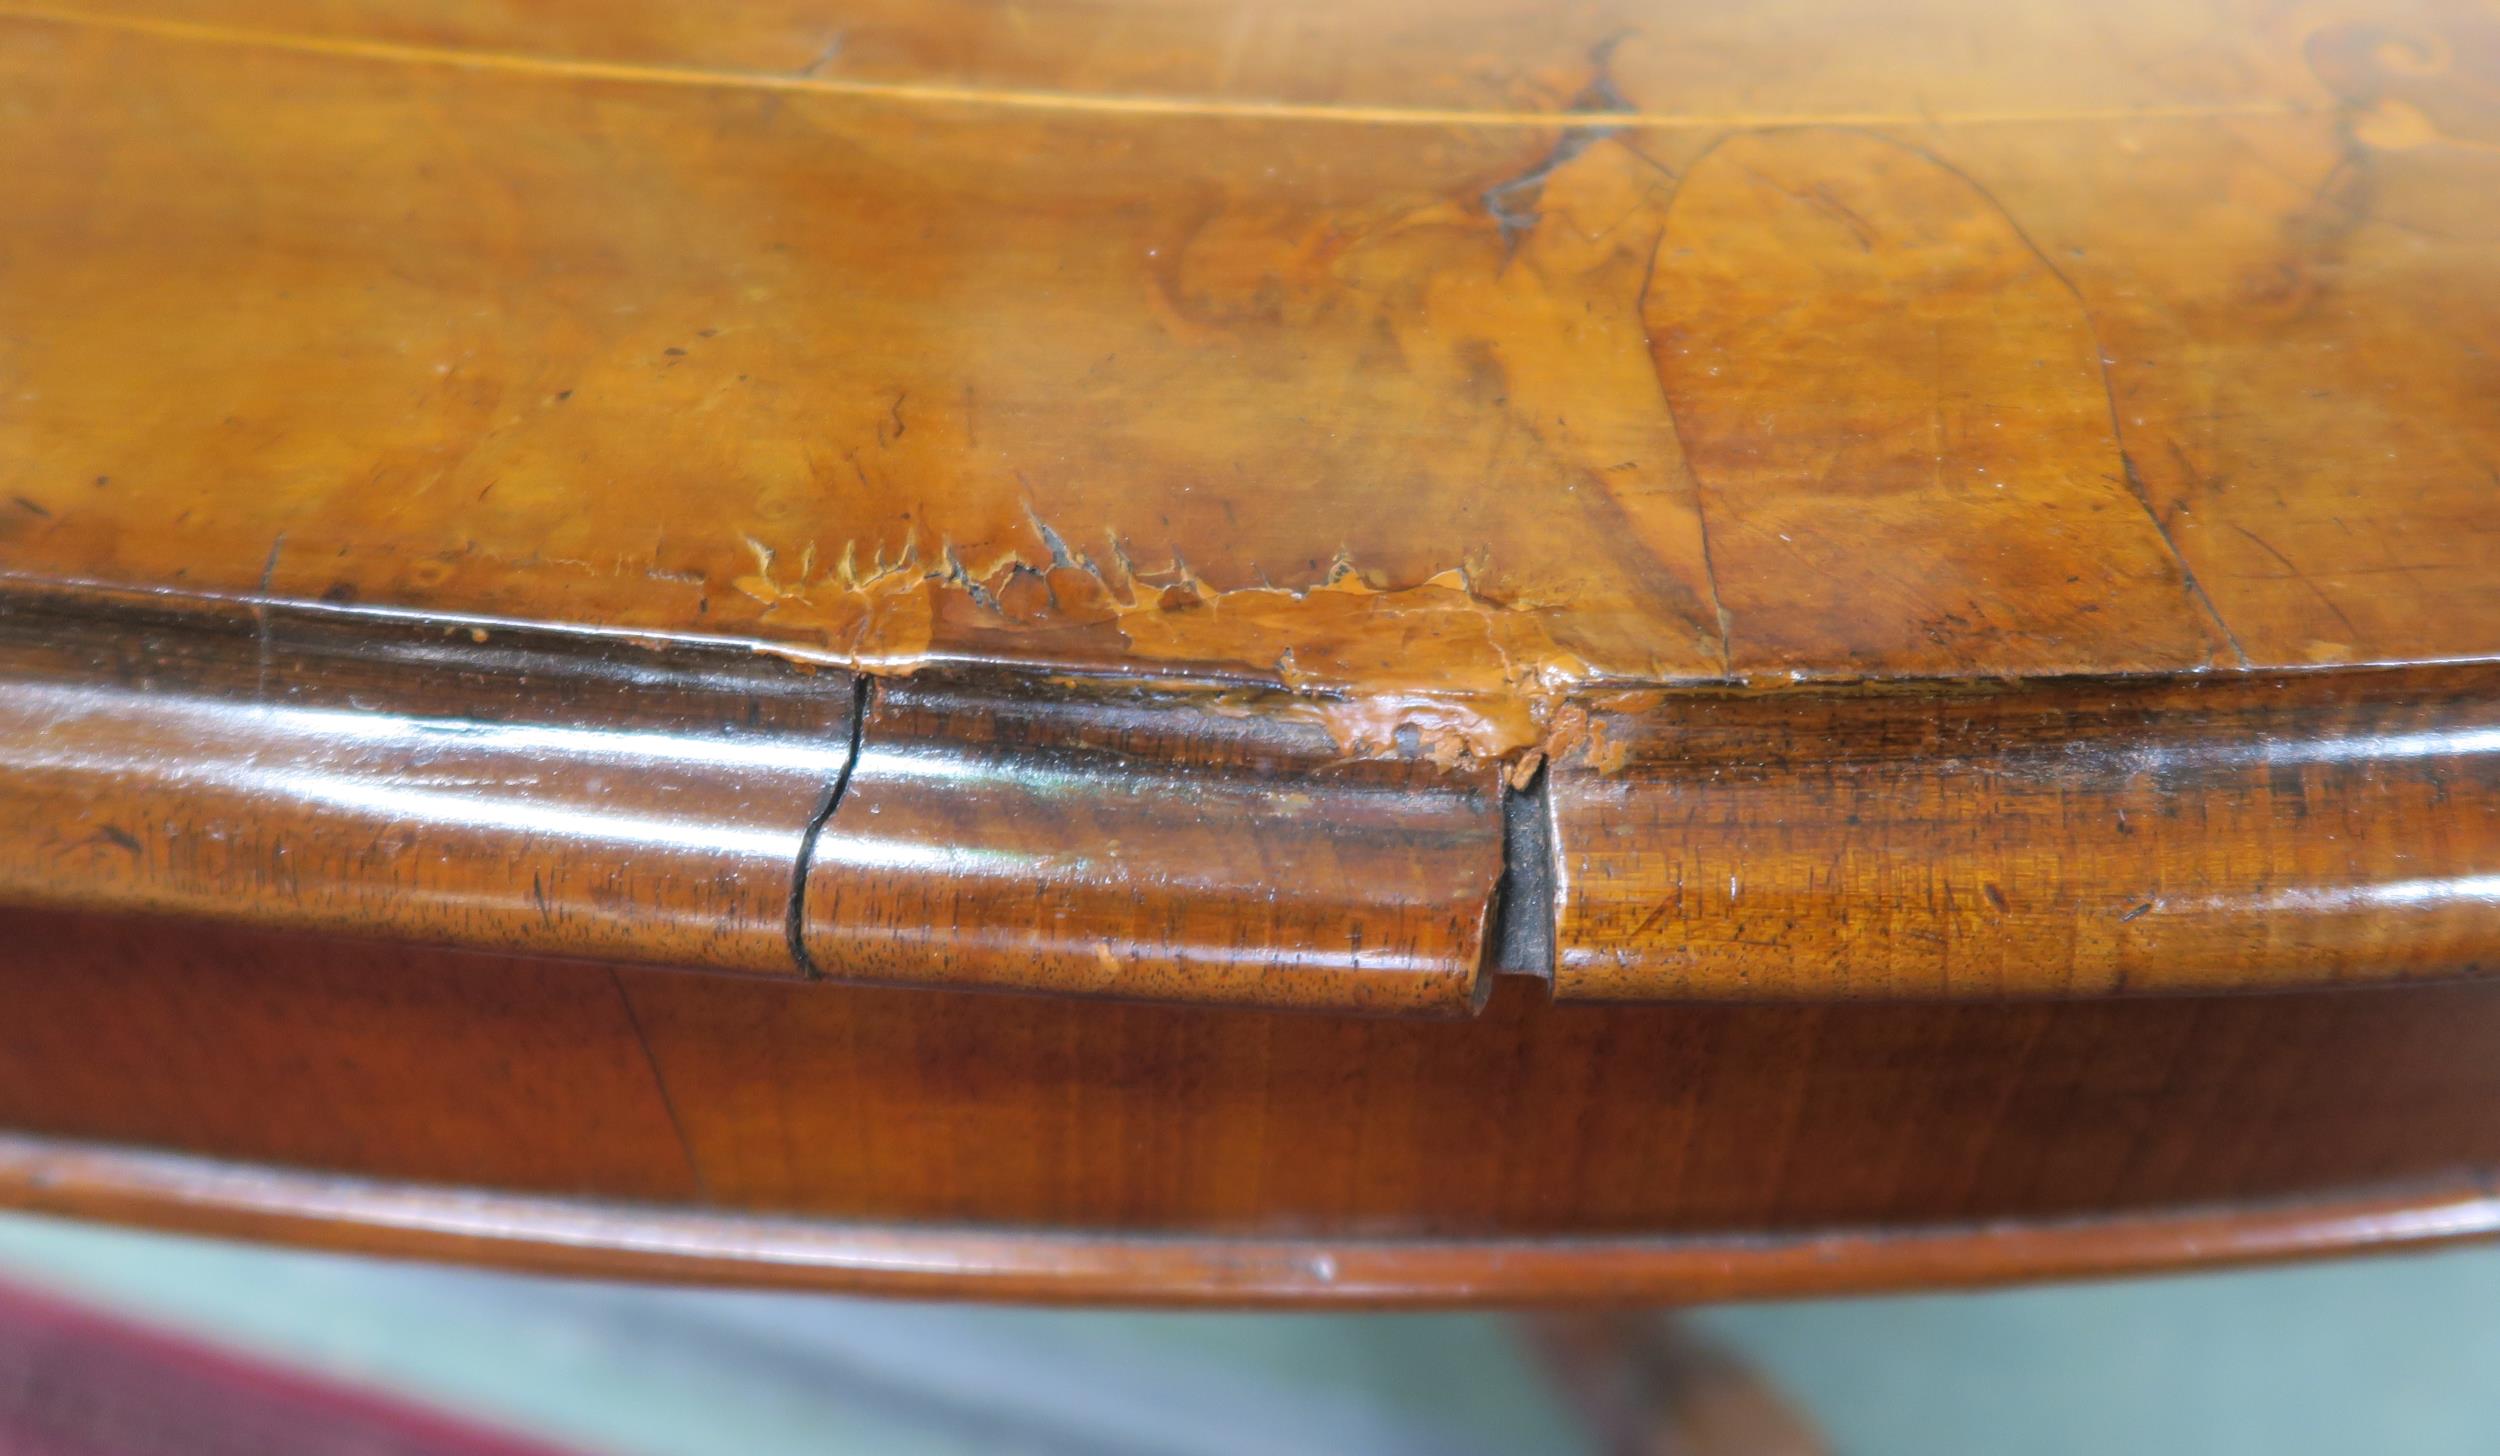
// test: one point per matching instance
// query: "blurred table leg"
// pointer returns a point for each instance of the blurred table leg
(1648, 1385)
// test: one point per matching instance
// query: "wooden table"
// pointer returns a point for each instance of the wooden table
(1334, 650)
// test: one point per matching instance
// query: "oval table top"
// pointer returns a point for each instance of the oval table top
(1472, 353)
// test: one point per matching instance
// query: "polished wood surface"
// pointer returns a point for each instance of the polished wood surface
(604, 1240)
(917, 1105)
(420, 783)
(1031, 842)
(1364, 349)
(510, 790)
(506, 790)
(2223, 833)
(1404, 522)
(598, 1119)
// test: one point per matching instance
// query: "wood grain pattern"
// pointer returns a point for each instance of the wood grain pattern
(2225, 834)
(924, 1136)
(1150, 851)
(2009, 490)
(511, 790)
(1899, 420)
(363, 1057)
(557, 795)
(908, 1106)
(415, 783)
(1383, 59)
(1634, 345)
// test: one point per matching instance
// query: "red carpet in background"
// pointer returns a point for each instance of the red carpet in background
(76, 1382)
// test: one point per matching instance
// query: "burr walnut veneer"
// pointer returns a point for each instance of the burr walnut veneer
(1332, 649)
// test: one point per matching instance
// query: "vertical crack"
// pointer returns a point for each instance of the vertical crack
(796, 925)
(1523, 902)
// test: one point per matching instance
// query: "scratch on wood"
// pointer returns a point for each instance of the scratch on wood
(938, 93)
(2302, 577)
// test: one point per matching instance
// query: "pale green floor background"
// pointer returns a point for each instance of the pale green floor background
(2397, 1355)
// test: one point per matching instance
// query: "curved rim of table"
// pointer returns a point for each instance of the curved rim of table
(592, 1239)
(263, 687)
